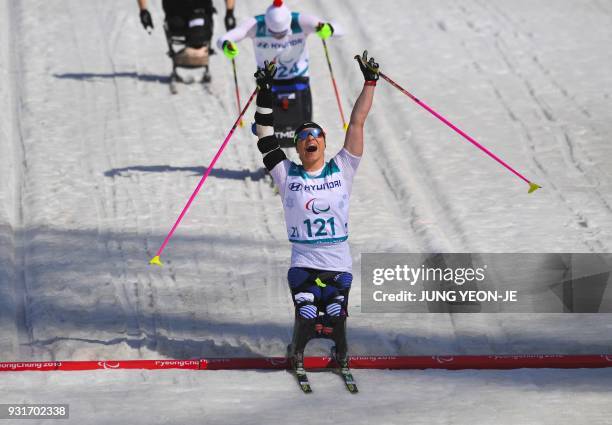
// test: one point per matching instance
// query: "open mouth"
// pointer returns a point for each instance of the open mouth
(311, 148)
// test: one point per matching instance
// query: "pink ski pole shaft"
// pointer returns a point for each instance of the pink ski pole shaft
(532, 186)
(156, 260)
(331, 73)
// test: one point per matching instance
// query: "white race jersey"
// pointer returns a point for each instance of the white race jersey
(317, 210)
(290, 51)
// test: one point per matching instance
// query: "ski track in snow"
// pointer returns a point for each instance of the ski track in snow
(15, 318)
(570, 150)
(97, 160)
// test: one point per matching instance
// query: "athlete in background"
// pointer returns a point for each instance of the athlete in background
(186, 15)
(280, 36)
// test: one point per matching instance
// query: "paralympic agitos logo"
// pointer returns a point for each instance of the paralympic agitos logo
(317, 206)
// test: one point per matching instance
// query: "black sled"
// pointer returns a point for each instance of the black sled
(292, 107)
(303, 332)
(184, 53)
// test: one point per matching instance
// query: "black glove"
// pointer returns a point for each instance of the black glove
(265, 76)
(145, 19)
(369, 68)
(230, 21)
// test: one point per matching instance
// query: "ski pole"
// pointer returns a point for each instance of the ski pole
(237, 90)
(532, 186)
(156, 260)
(331, 73)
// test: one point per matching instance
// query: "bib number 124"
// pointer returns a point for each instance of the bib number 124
(321, 227)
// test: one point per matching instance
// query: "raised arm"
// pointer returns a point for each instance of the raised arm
(264, 118)
(353, 141)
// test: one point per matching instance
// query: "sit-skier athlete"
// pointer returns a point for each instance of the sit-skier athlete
(315, 198)
(280, 36)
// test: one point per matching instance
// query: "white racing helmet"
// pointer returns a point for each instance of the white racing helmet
(278, 17)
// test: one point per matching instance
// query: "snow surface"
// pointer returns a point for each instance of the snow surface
(97, 160)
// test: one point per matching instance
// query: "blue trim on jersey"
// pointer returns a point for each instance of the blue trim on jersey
(261, 26)
(316, 241)
(298, 170)
(295, 23)
(262, 30)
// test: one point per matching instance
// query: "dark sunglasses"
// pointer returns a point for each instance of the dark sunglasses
(303, 135)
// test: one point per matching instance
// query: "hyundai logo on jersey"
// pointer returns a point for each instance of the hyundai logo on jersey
(317, 206)
(296, 187)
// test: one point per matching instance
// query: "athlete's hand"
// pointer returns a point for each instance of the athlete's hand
(265, 76)
(369, 68)
(324, 30)
(230, 20)
(146, 20)
(230, 50)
